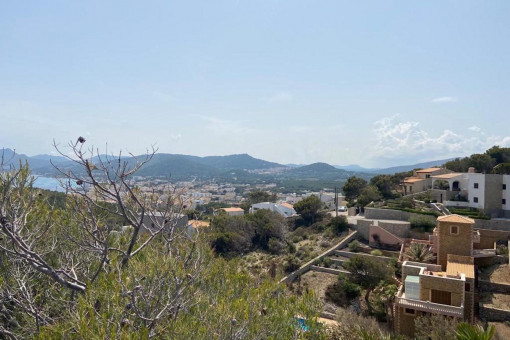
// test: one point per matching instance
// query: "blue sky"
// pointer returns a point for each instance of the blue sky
(376, 83)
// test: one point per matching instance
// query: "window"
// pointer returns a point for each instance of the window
(427, 176)
(503, 201)
(504, 186)
(467, 287)
(476, 185)
(409, 311)
(454, 230)
(475, 199)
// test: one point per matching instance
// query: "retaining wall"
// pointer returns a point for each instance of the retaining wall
(487, 286)
(492, 314)
(306, 267)
(389, 214)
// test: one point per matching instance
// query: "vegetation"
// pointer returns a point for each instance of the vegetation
(354, 246)
(419, 252)
(494, 160)
(72, 273)
(368, 272)
(342, 291)
(257, 196)
(422, 223)
(435, 327)
(264, 229)
(352, 188)
(309, 208)
(467, 331)
(339, 224)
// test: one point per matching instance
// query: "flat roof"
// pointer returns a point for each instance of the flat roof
(456, 265)
(412, 278)
(428, 170)
(447, 176)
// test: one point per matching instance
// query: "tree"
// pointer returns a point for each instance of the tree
(435, 327)
(368, 194)
(267, 225)
(385, 185)
(339, 224)
(309, 208)
(72, 273)
(367, 272)
(352, 188)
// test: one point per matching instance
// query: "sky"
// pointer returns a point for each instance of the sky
(374, 83)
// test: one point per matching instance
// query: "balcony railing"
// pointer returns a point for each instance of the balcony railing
(426, 306)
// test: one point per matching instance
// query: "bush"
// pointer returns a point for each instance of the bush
(501, 249)
(354, 246)
(291, 248)
(291, 264)
(326, 261)
(339, 224)
(422, 223)
(376, 252)
(342, 291)
(274, 246)
(325, 244)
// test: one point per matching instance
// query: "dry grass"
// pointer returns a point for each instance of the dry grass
(499, 273)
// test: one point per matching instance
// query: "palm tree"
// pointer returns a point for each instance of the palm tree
(466, 331)
(419, 252)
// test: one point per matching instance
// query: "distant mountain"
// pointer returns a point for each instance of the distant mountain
(241, 162)
(402, 168)
(321, 171)
(355, 167)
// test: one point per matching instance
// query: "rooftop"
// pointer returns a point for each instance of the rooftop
(447, 176)
(427, 170)
(455, 219)
(412, 179)
(233, 209)
(457, 265)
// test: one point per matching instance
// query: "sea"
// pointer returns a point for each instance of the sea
(48, 183)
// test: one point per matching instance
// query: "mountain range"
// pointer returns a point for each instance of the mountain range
(179, 167)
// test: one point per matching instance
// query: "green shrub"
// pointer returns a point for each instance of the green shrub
(326, 261)
(354, 246)
(339, 224)
(342, 291)
(291, 264)
(274, 246)
(376, 252)
(501, 249)
(422, 223)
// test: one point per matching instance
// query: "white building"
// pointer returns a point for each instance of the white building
(476, 190)
(284, 209)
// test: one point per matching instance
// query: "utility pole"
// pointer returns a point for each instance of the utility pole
(336, 202)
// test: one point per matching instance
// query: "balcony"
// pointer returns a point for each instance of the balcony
(430, 307)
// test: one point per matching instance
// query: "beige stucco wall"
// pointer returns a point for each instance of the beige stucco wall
(455, 287)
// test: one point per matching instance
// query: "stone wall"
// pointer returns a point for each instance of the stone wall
(363, 227)
(399, 229)
(493, 224)
(389, 214)
(487, 313)
(306, 267)
(487, 286)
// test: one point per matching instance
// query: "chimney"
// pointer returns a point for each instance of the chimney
(471, 170)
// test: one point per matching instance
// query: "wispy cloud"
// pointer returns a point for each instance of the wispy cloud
(445, 100)
(474, 128)
(280, 97)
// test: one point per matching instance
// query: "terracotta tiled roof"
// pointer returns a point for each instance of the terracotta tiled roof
(456, 219)
(428, 170)
(232, 209)
(288, 205)
(412, 179)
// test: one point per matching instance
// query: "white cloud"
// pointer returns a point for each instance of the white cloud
(280, 97)
(175, 137)
(474, 128)
(445, 100)
(396, 140)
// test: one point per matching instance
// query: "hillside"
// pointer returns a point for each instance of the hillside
(241, 161)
